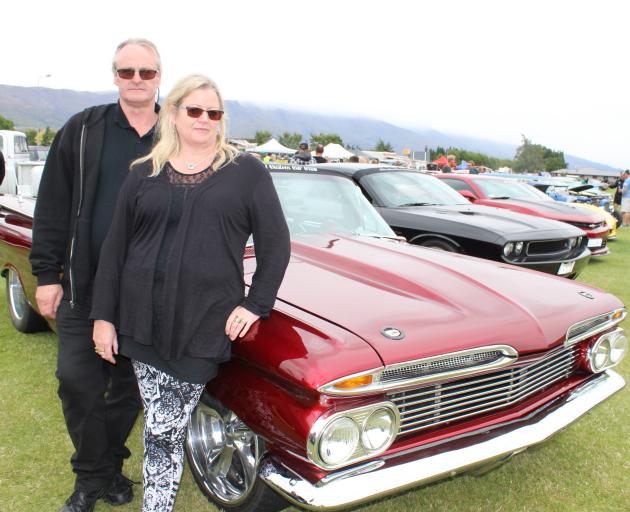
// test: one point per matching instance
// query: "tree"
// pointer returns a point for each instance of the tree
(554, 160)
(290, 140)
(6, 124)
(48, 136)
(326, 138)
(31, 133)
(381, 145)
(262, 136)
(529, 157)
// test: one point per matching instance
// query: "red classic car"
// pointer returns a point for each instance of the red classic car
(523, 198)
(383, 365)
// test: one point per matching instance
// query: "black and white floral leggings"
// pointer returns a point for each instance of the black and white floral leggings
(168, 404)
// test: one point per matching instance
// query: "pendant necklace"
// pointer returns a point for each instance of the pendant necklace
(192, 167)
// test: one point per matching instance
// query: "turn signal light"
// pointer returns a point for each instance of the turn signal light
(355, 382)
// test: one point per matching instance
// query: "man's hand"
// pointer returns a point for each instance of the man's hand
(239, 322)
(105, 340)
(48, 298)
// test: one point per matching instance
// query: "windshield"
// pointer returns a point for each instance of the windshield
(503, 189)
(320, 203)
(401, 188)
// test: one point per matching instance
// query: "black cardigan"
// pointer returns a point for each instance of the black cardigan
(205, 268)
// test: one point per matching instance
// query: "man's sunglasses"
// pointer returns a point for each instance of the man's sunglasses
(129, 73)
(196, 112)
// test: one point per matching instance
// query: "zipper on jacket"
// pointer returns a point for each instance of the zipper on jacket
(74, 235)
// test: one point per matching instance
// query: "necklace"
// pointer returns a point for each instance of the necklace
(192, 166)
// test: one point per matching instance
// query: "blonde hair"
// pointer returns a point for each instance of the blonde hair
(168, 143)
(138, 41)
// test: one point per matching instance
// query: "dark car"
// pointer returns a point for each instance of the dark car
(383, 365)
(427, 212)
(523, 198)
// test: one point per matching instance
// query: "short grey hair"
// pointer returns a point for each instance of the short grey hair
(139, 41)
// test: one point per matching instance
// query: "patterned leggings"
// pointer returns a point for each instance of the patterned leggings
(168, 404)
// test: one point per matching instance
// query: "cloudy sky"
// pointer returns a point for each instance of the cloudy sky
(557, 71)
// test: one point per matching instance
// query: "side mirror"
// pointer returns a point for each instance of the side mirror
(468, 195)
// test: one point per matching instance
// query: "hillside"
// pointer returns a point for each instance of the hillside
(37, 107)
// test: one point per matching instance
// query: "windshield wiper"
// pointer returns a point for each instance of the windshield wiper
(500, 197)
(416, 204)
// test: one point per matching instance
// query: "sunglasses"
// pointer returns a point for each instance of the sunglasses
(129, 73)
(196, 112)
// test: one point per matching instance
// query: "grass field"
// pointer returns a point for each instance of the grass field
(585, 468)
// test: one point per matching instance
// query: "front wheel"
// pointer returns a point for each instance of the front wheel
(23, 317)
(436, 243)
(224, 454)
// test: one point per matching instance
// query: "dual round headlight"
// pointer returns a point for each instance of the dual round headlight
(607, 351)
(344, 438)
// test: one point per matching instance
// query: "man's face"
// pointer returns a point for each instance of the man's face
(135, 91)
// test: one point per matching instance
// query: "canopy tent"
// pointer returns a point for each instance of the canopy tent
(441, 161)
(463, 165)
(334, 151)
(272, 146)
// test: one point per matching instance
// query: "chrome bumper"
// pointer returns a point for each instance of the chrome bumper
(384, 476)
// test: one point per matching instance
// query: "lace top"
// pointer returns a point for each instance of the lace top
(180, 179)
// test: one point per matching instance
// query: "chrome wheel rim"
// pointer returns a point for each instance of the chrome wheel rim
(17, 299)
(223, 453)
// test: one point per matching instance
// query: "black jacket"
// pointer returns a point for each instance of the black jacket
(62, 221)
(204, 270)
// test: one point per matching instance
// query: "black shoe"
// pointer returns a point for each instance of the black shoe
(81, 501)
(120, 491)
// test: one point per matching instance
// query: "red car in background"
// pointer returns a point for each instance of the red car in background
(523, 198)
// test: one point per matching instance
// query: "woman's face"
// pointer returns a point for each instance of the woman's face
(200, 131)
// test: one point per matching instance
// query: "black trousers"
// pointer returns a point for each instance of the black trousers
(100, 401)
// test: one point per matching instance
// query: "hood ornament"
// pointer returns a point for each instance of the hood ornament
(392, 333)
(586, 295)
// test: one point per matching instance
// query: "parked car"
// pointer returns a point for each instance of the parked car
(429, 213)
(523, 198)
(383, 365)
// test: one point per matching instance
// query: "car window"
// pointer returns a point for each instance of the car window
(458, 185)
(401, 188)
(502, 189)
(315, 204)
(20, 145)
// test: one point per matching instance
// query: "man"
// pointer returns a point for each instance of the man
(319, 154)
(87, 164)
(625, 200)
(302, 155)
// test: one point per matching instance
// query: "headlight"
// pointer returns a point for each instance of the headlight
(572, 242)
(346, 437)
(339, 441)
(607, 351)
(378, 429)
(508, 248)
(518, 248)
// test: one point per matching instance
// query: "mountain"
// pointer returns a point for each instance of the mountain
(37, 107)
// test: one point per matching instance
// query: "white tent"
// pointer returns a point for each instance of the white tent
(272, 146)
(335, 151)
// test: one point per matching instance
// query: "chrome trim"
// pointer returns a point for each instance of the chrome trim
(597, 327)
(509, 356)
(434, 405)
(359, 415)
(467, 453)
(591, 350)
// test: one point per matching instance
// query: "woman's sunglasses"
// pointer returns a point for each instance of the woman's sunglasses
(129, 73)
(196, 112)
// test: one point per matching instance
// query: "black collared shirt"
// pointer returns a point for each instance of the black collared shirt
(121, 146)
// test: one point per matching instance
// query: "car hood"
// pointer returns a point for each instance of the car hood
(441, 301)
(478, 222)
(558, 210)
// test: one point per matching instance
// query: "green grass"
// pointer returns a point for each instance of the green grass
(585, 468)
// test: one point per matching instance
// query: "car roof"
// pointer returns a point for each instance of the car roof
(348, 170)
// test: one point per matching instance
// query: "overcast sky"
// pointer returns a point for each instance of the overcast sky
(557, 71)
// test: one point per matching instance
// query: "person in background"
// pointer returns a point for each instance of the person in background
(319, 154)
(88, 161)
(2, 169)
(625, 200)
(619, 186)
(303, 155)
(452, 162)
(170, 292)
(353, 159)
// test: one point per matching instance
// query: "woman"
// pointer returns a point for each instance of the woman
(169, 290)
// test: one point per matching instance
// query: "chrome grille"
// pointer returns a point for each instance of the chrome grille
(441, 365)
(427, 406)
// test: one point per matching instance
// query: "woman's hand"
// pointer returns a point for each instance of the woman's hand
(105, 340)
(239, 322)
